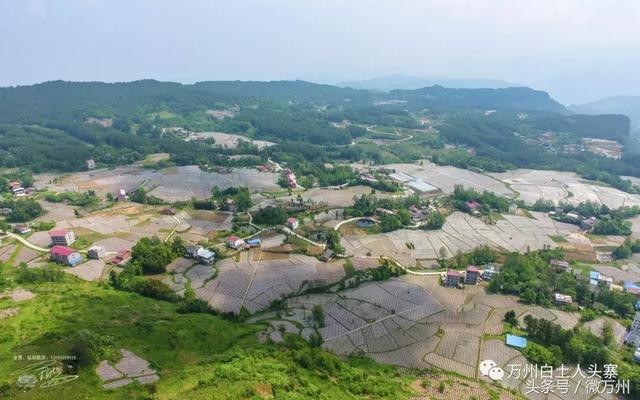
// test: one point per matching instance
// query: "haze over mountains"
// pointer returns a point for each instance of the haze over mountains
(402, 81)
(627, 105)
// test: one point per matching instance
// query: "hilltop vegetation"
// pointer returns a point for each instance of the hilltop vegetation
(56, 126)
(198, 355)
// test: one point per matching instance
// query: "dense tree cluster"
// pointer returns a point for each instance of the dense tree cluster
(22, 210)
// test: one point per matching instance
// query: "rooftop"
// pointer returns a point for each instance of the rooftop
(62, 250)
(516, 341)
(58, 232)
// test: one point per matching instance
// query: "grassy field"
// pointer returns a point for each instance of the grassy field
(198, 356)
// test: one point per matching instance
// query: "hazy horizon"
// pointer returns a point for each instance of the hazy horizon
(577, 51)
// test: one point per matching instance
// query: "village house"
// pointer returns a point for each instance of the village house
(561, 299)
(5, 211)
(631, 287)
(91, 164)
(122, 195)
(573, 215)
(560, 265)
(200, 254)
(290, 177)
(633, 336)
(62, 237)
(230, 205)
(452, 278)
(96, 252)
(473, 206)
(381, 211)
(293, 223)
(588, 224)
(472, 275)
(236, 243)
(326, 256)
(21, 229)
(490, 271)
(65, 255)
(254, 242)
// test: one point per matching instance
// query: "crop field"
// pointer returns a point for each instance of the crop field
(563, 186)
(196, 225)
(635, 227)
(446, 177)
(460, 233)
(595, 326)
(170, 184)
(91, 270)
(339, 197)
(629, 273)
(254, 282)
(227, 140)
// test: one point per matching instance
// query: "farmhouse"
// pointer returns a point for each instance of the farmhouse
(472, 275)
(65, 255)
(560, 299)
(254, 242)
(91, 164)
(62, 237)
(21, 229)
(452, 278)
(560, 265)
(326, 256)
(200, 254)
(633, 336)
(292, 223)
(18, 191)
(122, 195)
(236, 243)
(490, 271)
(96, 252)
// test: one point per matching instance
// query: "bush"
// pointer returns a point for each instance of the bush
(194, 306)
(152, 288)
(48, 273)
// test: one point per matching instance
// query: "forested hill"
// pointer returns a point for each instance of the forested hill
(64, 101)
(513, 98)
(627, 105)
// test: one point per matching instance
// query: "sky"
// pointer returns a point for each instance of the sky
(578, 50)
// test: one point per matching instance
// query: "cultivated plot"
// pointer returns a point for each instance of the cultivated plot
(461, 233)
(563, 186)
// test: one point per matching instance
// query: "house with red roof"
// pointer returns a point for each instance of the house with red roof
(292, 223)
(65, 255)
(62, 237)
(236, 243)
(452, 279)
(472, 275)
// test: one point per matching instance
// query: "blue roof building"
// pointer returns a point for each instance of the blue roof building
(516, 341)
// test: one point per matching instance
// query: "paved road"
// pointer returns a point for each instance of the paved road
(26, 242)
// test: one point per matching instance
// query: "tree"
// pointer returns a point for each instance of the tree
(317, 312)
(510, 318)
(151, 255)
(243, 199)
(270, 216)
(436, 221)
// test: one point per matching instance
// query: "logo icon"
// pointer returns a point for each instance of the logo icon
(491, 369)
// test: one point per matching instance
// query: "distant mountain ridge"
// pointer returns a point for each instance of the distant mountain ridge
(512, 98)
(626, 105)
(60, 100)
(407, 82)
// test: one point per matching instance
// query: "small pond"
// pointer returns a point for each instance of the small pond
(365, 223)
